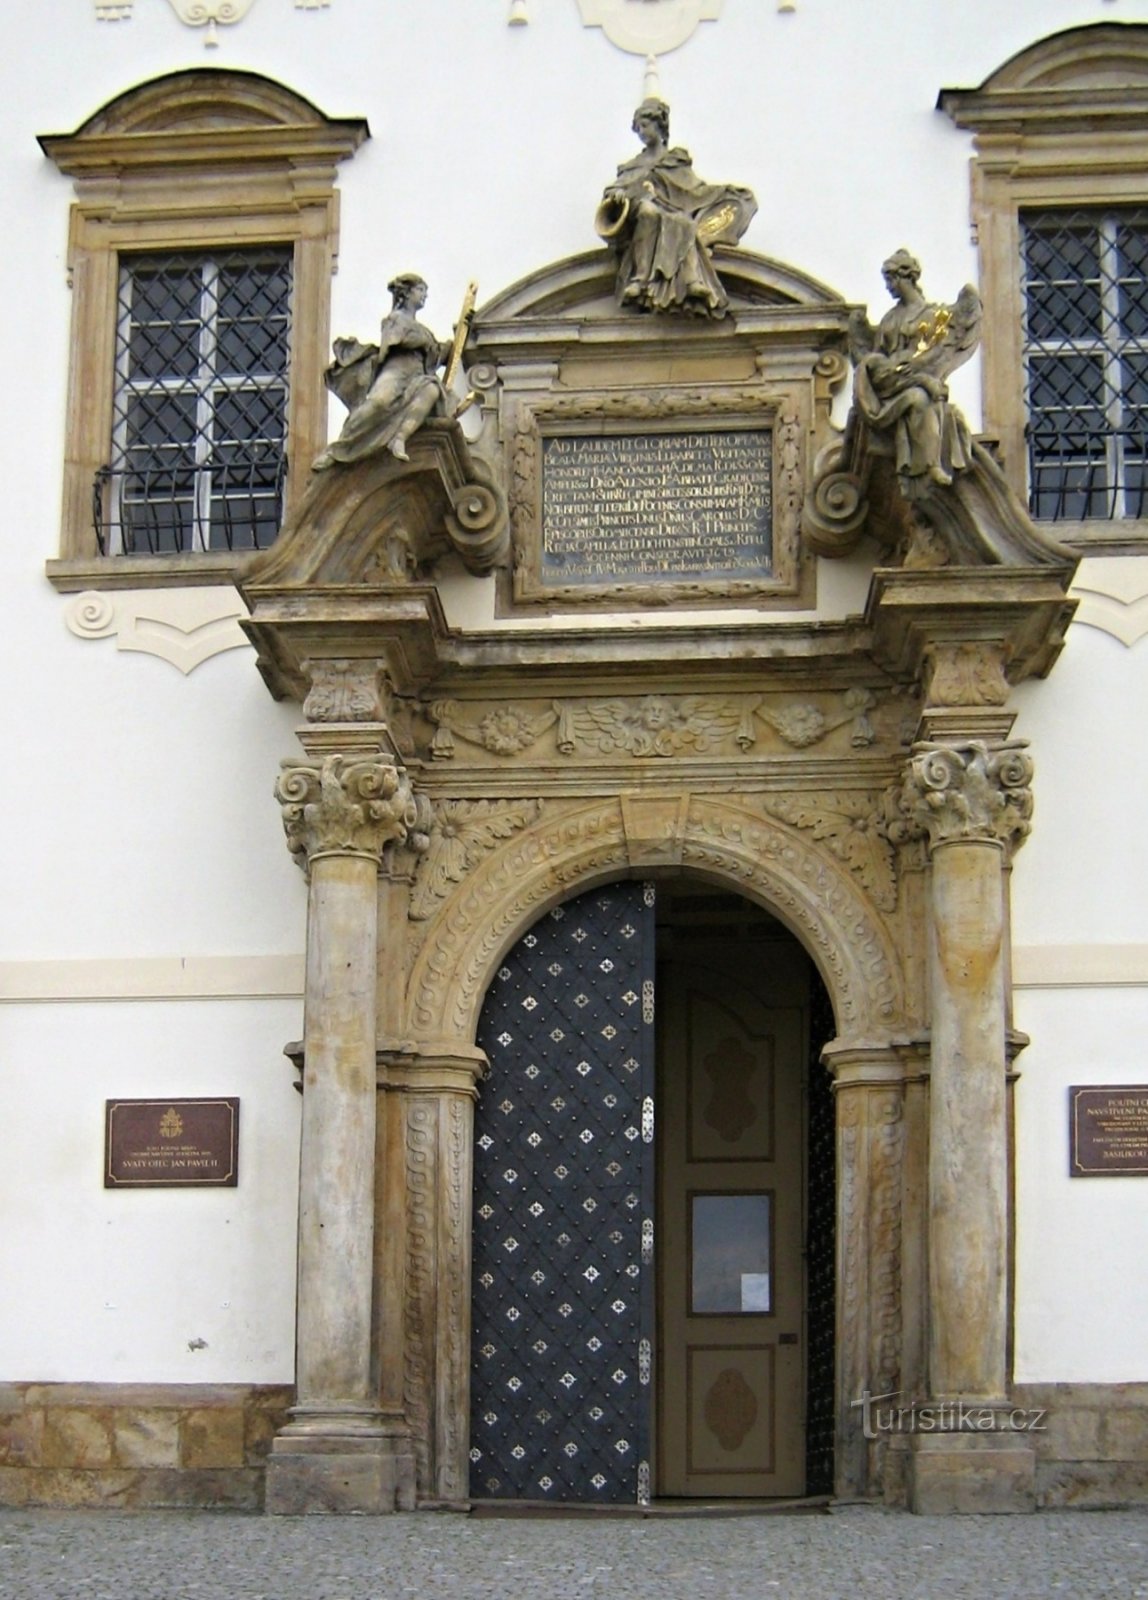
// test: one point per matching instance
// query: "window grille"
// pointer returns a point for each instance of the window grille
(198, 449)
(1086, 362)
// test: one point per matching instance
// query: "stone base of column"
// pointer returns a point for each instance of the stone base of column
(340, 1464)
(983, 1473)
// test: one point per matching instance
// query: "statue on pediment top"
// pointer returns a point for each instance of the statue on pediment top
(662, 222)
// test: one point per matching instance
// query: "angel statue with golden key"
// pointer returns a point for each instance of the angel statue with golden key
(900, 387)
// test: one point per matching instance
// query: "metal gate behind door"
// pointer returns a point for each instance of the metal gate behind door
(563, 1209)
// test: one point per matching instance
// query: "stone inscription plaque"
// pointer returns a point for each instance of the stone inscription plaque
(1108, 1131)
(657, 507)
(165, 1144)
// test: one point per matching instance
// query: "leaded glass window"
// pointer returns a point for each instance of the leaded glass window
(198, 448)
(1085, 280)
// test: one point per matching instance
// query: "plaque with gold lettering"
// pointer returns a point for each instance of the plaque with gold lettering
(165, 1144)
(657, 507)
(1108, 1131)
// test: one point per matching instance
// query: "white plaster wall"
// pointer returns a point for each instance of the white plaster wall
(1081, 1243)
(122, 1285)
(136, 817)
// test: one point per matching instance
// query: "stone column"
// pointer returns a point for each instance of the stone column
(340, 1452)
(971, 801)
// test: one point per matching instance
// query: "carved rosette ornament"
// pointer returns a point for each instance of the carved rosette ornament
(963, 791)
(344, 807)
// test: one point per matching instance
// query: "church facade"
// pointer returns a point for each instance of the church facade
(602, 962)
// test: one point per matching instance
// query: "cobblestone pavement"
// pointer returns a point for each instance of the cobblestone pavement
(175, 1555)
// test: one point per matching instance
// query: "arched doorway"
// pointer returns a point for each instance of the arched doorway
(654, 1204)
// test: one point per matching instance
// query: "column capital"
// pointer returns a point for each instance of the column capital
(344, 806)
(966, 791)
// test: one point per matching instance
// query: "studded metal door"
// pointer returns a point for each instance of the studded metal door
(563, 1209)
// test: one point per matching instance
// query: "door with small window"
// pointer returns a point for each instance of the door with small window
(731, 1350)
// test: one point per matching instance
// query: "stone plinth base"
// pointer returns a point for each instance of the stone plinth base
(340, 1464)
(972, 1473)
(339, 1484)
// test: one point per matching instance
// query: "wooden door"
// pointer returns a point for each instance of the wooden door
(731, 1363)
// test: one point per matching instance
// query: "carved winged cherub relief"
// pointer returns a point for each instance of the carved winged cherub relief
(390, 389)
(662, 221)
(902, 365)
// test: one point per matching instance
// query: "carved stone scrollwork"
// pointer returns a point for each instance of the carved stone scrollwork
(459, 834)
(344, 807)
(964, 791)
(849, 825)
(834, 515)
(476, 525)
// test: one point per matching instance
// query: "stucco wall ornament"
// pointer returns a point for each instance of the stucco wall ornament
(344, 807)
(648, 726)
(648, 27)
(662, 222)
(197, 13)
(968, 790)
(391, 388)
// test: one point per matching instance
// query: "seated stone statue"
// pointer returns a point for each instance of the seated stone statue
(390, 388)
(662, 221)
(899, 386)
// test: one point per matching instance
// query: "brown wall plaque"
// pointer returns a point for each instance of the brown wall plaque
(165, 1144)
(1108, 1131)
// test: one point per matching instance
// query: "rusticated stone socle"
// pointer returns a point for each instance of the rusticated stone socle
(344, 807)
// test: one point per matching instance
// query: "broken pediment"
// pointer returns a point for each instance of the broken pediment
(656, 459)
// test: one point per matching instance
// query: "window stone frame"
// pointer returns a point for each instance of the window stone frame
(1061, 125)
(200, 160)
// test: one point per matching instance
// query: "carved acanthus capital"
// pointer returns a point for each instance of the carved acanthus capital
(344, 806)
(963, 791)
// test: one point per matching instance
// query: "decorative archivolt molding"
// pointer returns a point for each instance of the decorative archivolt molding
(184, 627)
(816, 895)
